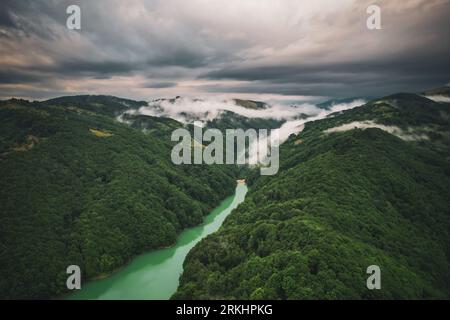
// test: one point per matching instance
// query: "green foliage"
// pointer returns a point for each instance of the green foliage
(410, 112)
(75, 197)
(340, 203)
(230, 120)
(250, 104)
(77, 187)
(106, 105)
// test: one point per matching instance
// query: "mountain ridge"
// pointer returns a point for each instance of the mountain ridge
(341, 202)
(79, 187)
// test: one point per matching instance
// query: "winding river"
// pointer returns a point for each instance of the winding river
(155, 275)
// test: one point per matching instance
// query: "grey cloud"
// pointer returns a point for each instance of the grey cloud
(94, 68)
(17, 77)
(6, 19)
(298, 48)
(345, 87)
(160, 85)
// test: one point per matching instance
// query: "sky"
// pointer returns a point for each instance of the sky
(268, 50)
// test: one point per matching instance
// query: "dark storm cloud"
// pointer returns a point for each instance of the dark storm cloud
(6, 20)
(159, 85)
(342, 89)
(422, 64)
(106, 44)
(17, 77)
(181, 58)
(99, 68)
(32, 17)
(411, 73)
(295, 47)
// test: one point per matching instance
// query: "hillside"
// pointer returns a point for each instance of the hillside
(106, 105)
(362, 187)
(215, 113)
(443, 91)
(78, 187)
(250, 104)
(330, 103)
(229, 120)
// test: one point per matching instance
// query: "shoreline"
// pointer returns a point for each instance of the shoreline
(104, 276)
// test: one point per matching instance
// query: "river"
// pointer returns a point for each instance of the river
(155, 275)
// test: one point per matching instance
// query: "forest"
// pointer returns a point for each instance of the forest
(78, 187)
(340, 203)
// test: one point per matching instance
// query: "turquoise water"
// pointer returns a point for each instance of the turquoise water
(155, 275)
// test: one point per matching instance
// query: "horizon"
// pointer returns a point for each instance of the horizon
(313, 99)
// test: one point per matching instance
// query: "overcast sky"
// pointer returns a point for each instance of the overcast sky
(259, 49)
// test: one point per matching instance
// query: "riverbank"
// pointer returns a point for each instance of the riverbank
(155, 275)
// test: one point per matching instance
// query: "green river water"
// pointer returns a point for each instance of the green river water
(155, 275)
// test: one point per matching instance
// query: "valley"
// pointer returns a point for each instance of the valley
(155, 275)
(88, 180)
(342, 201)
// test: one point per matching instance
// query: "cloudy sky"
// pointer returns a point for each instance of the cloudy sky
(259, 49)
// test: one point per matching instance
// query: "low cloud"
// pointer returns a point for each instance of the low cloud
(188, 109)
(409, 135)
(439, 98)
(280, 135)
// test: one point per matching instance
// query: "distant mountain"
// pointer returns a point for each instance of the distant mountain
(213, 118)
(410, 115)
(367, 186)
(107, 105)
(250, 104)
(79, 187)
(231, 120)
(439, 95)
(330, 103)
(443, 91)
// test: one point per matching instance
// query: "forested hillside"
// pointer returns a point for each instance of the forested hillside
(229, 120)
(361, 187)
(78, 187)
(368, 186)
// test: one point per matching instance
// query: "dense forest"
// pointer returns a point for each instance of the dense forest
(342, 201)
(85, 183)
(79, 187)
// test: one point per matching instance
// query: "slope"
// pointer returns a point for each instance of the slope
(342, 201)
(80, 188)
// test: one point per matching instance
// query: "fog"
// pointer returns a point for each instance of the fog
(280, 135)
(409, 135)
(187, 110)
